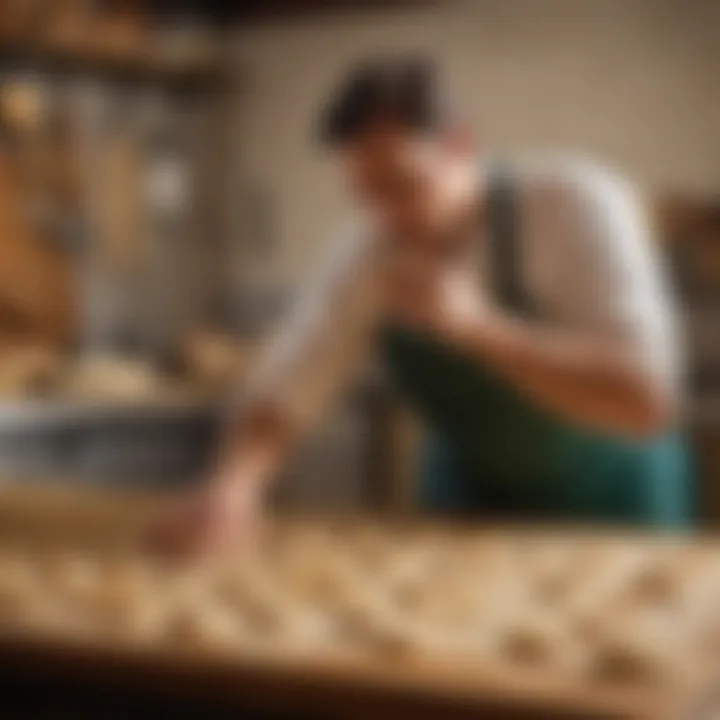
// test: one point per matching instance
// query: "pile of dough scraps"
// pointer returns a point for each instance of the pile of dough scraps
(588, 607)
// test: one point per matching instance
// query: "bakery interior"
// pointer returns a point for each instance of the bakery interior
(160, 202)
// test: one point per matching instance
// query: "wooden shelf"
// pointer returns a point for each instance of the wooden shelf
(146, 64)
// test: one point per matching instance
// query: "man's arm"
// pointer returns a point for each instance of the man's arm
(305, 365)
(254, 448)
(587, 380)
(301, 370)
(224, 509)
(607, 359)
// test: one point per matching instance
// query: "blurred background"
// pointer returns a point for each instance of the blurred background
(161, 199)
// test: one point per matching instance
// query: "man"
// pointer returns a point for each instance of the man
(518, 306)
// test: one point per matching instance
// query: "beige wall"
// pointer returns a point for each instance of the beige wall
(634, 82)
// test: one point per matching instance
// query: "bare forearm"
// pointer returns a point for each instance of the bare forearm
(224, 510)
(253, 448)
(583, 379)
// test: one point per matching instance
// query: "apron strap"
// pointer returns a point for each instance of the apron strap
(503, 238)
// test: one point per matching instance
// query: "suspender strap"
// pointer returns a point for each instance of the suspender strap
(504, 250)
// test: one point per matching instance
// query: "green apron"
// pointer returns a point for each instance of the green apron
(492, 452)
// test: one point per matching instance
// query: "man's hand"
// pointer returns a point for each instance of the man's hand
(226, 511)
(208, 519)
(432, 296)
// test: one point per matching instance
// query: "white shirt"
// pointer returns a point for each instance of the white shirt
(587, 263)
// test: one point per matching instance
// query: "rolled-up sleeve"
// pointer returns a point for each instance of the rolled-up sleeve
(614, 283)
(322, 342)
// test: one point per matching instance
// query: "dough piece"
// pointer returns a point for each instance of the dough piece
(661, 578)
(367, 623)
(687, 585)
(407, 581)
(26, 602)
(216, 360)
(641, 647)
(464, 618)
(270, 610)
(554, 570)
(607, 578)
(703, 613)
(124, 603)
(316, 574)
(113, 378)
(538, 637)
(368, 547)
(658, 583)
(206, 624)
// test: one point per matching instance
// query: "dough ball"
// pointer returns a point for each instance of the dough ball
(208, 625)
(215, 359)
(377, 630)
(123, 602)
(368, 547)
(657, 582)
(113, 378)
(638, 648)
(553, 572)
(267, 608)
(408, 584)
(145, 620)
(535, 638)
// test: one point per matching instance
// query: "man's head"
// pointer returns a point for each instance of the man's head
(407, 158)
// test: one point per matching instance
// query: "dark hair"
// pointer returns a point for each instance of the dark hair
(402, 90)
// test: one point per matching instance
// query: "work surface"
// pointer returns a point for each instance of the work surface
(343, 611)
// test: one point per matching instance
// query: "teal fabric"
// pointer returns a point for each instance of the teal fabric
(492, 452)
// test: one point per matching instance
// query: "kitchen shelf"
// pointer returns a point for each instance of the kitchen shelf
(146, 65)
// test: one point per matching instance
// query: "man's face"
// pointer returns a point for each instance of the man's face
(405, 180)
